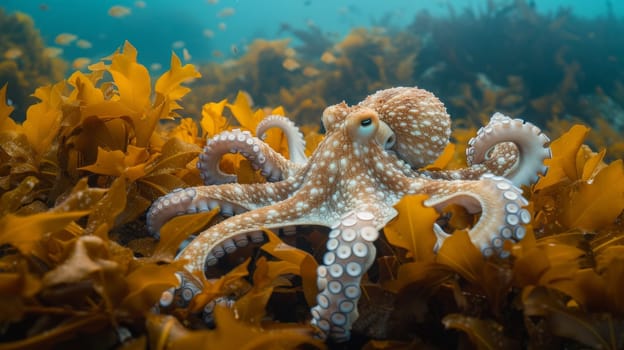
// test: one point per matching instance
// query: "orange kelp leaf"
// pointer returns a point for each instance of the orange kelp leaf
(596, 204)
(117, 163)
(146, 285)
(107, 163)
(228, 284)
(412, 228)
(213, 121)
(562, 165)
(251, 306)
(132, 80)
(135, 162)
(484, 333)
(15, 289)
(176, 154)
(65, 329)
(186, 131)
(25, 231)
(88, 256)
(312, 138)
(232, 333)
(306, 264)
(43, 119)
(444, 158)
(154, 186)
(596, 331)
(243, 113)
(6, 123)
(12, 200)
(104, 213)
(459, 253)
(592, 165)
(176, 230)
(246, 174)
(170, 83)
(85, 90)
(426, 274)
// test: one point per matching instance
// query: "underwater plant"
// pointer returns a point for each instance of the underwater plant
(79, 269)
(24, 63)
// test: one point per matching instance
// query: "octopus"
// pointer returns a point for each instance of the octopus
(370, 158)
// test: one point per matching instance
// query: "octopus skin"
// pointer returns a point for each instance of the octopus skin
(364, 166)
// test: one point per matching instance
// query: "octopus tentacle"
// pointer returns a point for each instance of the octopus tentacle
(226, 236)
(506, 147)
(500, 203)
(350, 253)
(531, 142)
(272, 165)
(231, 198)
(296, 142)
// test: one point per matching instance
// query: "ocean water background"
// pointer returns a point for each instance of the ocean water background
(162, 26)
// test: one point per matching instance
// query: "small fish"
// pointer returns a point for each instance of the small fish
(140, 4)
(52, 51)
(81, 62)
(290, 52)
(178, 44)
(208, 33)
(44, 7)
(217, 53)
(311, 72)
(234, 49)
(226, 12)
(328, 57)
(84, 44)
(186, 55)
(212, 2)
(222, 26)
(13, 53)
(65, 38)
(119, 11)
(155, 66)
(290, 64)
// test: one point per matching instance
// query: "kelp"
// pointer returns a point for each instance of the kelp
(75, 257)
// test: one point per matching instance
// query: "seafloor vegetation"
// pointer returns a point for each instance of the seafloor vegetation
(78, 269)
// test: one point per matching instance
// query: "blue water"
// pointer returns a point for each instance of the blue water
(155, 28)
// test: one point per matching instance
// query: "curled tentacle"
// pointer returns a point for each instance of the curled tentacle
(296, 142)
(350, 253)
(231, 198)
(500, 203)
(506, 147)
(272, 165)
(531, 143)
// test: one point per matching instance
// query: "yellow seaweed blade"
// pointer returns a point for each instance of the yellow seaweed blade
(43, 119)
(241, 109)
(6, 123)
(596, 204)
(213, 121)
(411, 229)
(562, 165)
(170, 83)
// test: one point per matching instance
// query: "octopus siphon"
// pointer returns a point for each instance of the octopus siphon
(372, 156)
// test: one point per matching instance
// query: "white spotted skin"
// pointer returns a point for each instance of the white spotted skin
(350, 184)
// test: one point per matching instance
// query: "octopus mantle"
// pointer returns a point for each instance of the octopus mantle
(370, 158)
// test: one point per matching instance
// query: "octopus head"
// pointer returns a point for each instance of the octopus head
(419, 120)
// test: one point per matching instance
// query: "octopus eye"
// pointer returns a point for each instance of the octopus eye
(366, 122)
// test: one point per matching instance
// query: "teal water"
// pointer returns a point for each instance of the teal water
(161, 26)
